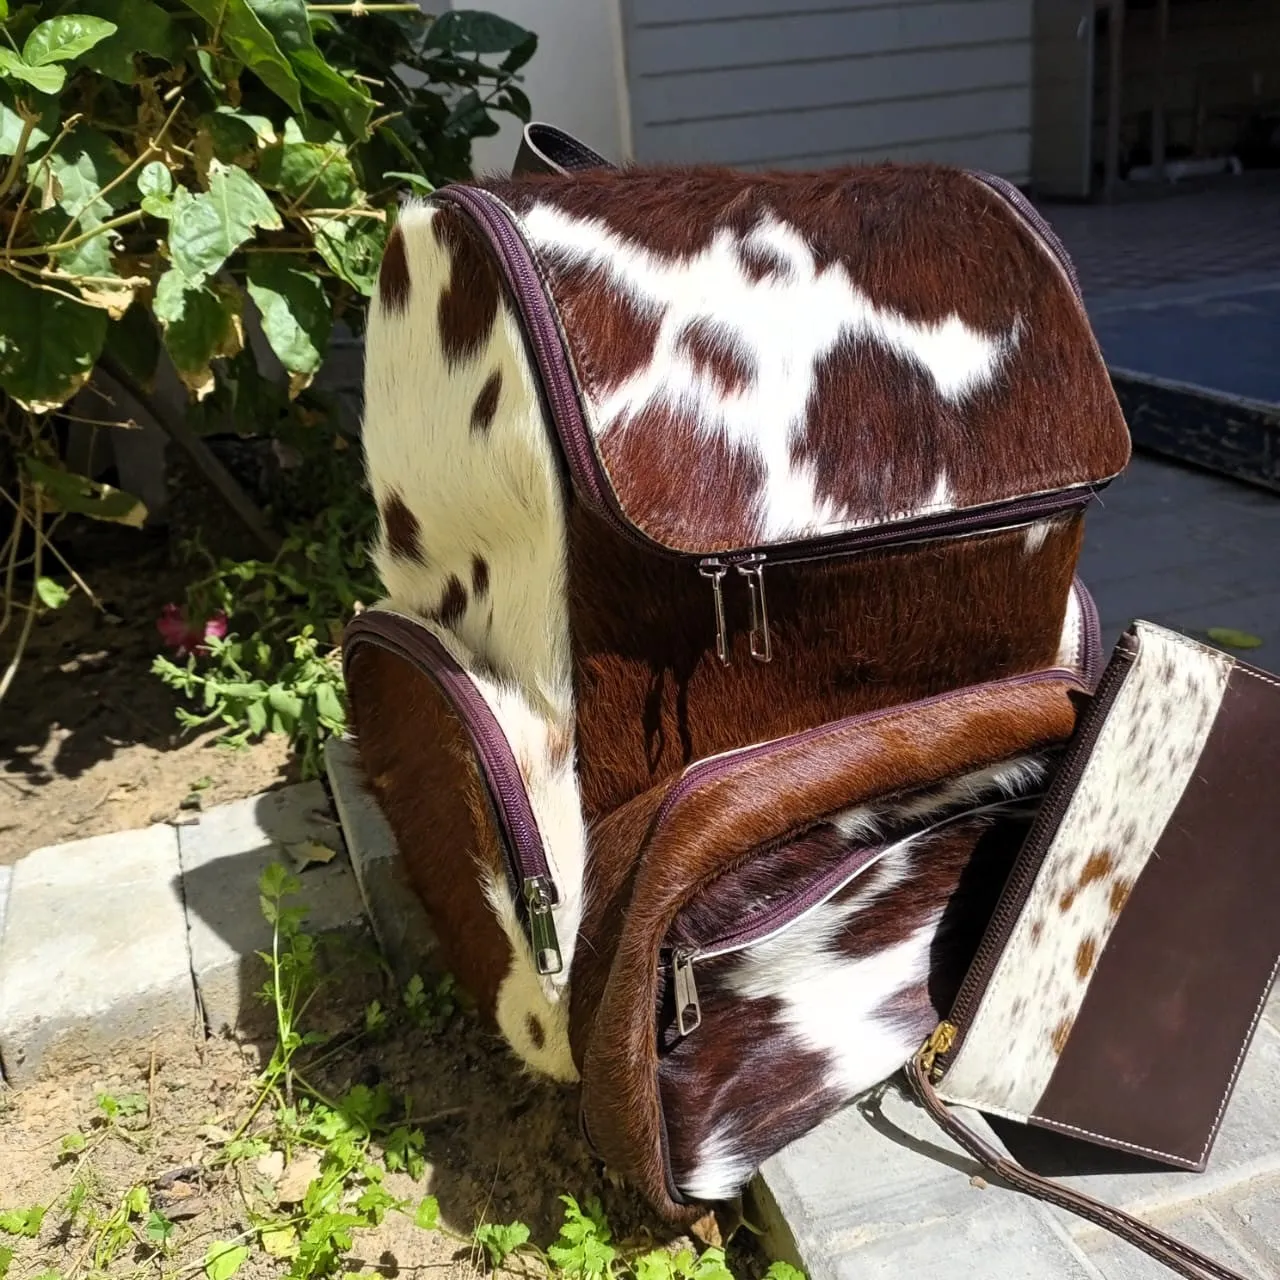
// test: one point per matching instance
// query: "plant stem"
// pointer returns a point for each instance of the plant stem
(11, 174)
(357, 8)
(124, 220)
(76, 578)
(152, 148)
(25, 634)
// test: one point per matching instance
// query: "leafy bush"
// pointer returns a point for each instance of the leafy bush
(166, 164)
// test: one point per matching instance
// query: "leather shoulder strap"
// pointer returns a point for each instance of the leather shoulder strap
(546, 149)
(1175, 1255)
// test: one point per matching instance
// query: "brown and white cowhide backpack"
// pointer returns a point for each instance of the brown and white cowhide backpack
(729, 526)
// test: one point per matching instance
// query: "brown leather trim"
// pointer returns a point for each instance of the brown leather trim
(1153, 1054)
(1173, 1253)
(768, 798)
(546, 149)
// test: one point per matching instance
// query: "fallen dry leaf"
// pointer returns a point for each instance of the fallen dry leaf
(298, 1177)
(310, 852)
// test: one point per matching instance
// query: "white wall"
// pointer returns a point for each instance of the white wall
(575, 80)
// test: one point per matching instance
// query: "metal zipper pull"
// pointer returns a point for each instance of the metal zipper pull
(761, 641)
(714, 570)
(940, 1041)
(688, 1010)
(542, 925)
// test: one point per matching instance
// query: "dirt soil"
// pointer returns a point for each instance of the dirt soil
(88, 738)
(500, 1147)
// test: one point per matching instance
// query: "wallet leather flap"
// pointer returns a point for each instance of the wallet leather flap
(1131, 956)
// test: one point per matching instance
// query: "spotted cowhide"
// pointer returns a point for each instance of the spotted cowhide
(758, 359)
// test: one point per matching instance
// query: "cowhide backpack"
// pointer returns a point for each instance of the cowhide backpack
(729, 524)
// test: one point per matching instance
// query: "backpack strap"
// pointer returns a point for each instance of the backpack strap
(546, 149)
(1175, 1255)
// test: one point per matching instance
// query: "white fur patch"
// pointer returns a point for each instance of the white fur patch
(1071, 648)
(785, 323)
(1142, 762)
(802, 968)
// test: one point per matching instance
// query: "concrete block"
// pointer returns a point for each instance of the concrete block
(222, 855)
(94, 952)
(1248, 1148)
(1116, 1259)
(886, 1193)
(1273, 1007)
(1255, 1218)
(394, 910)
(6, 876)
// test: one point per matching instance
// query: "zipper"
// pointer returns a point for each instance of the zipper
(1027, 866)
(709, 770)
(782, 916)
(1033, 216)
(568, 416)
(1090, 651)
(522, 841)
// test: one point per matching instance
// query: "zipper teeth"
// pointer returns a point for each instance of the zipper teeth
(1027, 868)
(1032, 215)
(1091, 637)
(515, 814)
(839, 879)
(709, 770)
(569, 419)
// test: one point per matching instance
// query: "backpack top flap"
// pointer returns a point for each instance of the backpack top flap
(737, 361)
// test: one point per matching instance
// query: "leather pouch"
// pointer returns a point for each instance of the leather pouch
(1127, 965)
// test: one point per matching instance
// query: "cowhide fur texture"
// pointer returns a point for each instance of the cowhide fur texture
(897, 347)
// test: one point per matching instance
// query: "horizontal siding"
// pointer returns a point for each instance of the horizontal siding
(852, 132)
(860, 33)
(766, 82)
(1004, 153)
(846, 82)
(689, 12)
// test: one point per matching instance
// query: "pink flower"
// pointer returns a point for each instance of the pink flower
(184, 637)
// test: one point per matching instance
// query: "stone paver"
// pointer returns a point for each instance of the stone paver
(94, 951)
(394, 910)
(222, 856)
(1186, 549)
(6, 875)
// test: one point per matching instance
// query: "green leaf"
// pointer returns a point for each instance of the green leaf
(237, 135)
(71, 492)
(223, 1260)
(784, 1271)
(1234, 639)
(312, 170)
(500, 1241)
(6, 1254)
(48, 344)
(142, 27)
(160, 1230)
(4, 9)
(420, 185)
(473, 31)
(352, 249)
(205, 230)
(296, 315)
(329, 706)
(53, 595)
(72, 1143)
(62, 39)
(91, 257)
(42, 79)
(287, 22)
(256, 714)
(82, 165)
(154, 179)
(252, 43)
(11, 124)
(200, 324)
(23, 1222)
(427, 1214)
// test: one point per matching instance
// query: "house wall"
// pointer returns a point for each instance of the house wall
(575, 80)
(808, 83)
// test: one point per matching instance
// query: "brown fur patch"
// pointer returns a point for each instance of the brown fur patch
(1086, 954)
(433, 797)
(1037, 929)
(759, 262)
(536, 1032)
(469, 303)
(717, 356)
(486, 406)
(394, 282)
(1120, 895)
(1061, 1034)
(479, 576)
(1067, 901)
(401, 528)
(1098, 866)
(559, 745)
(453, 604)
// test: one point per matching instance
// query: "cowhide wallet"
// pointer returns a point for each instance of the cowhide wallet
(1128, 963)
